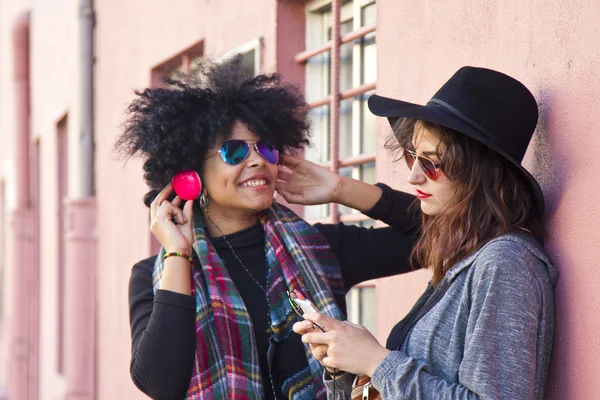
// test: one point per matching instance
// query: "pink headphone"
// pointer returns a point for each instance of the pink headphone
(187, 185)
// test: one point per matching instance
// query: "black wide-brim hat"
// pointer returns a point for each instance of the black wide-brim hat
(488, 106)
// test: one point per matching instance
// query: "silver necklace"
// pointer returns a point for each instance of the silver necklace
(235, 255)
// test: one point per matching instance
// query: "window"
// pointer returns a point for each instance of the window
(361, 299)
(337, 89)
(177, 66)
(341, 72)
(251, 55)
(61, 194)
(360, 302)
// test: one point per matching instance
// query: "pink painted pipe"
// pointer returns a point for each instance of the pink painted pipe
(21, 258)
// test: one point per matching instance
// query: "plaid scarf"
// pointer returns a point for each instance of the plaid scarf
(297, 257)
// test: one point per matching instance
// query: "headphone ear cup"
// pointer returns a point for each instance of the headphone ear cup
(187, 185)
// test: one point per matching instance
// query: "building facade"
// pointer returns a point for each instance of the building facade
(72, 221)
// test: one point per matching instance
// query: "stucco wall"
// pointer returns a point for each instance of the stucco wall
(551, 47)
(54, 94)
(10, 12)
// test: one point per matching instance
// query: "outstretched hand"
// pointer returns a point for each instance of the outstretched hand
(306, 182)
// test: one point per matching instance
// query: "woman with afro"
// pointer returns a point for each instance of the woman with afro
(210, 317)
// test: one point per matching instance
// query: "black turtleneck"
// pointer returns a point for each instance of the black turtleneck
(163, 326)
(249, 245)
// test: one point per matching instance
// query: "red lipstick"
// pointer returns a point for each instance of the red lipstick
(422, 195)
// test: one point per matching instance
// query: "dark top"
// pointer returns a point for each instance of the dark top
(163, 326)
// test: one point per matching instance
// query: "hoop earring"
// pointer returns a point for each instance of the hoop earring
(203, 201)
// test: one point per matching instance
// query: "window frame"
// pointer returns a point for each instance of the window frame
(333, 100)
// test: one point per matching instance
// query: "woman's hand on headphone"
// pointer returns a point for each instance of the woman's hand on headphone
(305, 182)
(171, 225)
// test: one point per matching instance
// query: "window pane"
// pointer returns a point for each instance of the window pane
(318, 77)
(369, 59)
(319, 120)
(319, 212)
(368, 127)
(367, 308)
(345, 132)
(367, 173)
(369, 15)
(357, 133)
(318, 152)
(369, 223)
(360, 304)
(346, 58)
(248, 60)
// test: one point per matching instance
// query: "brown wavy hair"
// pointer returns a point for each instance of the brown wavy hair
(491, 199)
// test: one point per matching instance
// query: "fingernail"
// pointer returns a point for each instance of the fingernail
(308, 324)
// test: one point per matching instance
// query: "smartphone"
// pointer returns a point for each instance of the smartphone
(302, 305)
(305, 305)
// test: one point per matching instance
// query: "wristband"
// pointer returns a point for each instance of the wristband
(177, 254)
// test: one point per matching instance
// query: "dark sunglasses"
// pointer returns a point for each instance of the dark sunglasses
(430, 169)
(235, 151)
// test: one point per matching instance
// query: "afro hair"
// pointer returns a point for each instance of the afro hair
(173, 128)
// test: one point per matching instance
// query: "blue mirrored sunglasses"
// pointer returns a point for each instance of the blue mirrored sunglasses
(236, 151)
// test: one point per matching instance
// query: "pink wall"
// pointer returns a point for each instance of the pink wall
(54, 88)
(132, 38)
(552, 48)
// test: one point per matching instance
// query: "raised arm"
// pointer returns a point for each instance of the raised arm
(363, 253)
(370, 253)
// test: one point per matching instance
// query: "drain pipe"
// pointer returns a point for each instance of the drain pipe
(20, 258)
(86, 97)
(80, 232)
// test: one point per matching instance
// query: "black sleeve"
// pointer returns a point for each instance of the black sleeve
(369, 253)
(163, 336)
